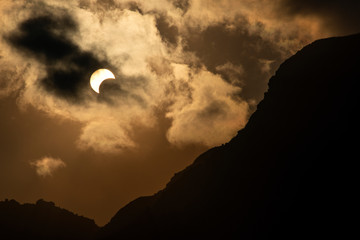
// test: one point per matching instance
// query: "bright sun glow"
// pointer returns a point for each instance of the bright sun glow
(98, 77)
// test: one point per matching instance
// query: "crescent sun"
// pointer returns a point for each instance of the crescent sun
(98, 77)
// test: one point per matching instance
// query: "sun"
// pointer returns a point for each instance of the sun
(98, 77)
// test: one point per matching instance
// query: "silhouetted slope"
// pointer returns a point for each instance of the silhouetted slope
(42, 220)
(289, 174)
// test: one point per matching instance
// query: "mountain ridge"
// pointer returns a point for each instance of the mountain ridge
(310, 98)
(42, 220)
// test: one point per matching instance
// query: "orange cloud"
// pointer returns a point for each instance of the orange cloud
(47, 165)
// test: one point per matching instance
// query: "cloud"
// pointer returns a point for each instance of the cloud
(184, 5)
(237, 53)
(11, 76)
(231, 73)
(107, 136)
(47, 165)
(205, 110)
(46, 38)
(55, 55)
(167, 30)
(340, 16)
(203, 63)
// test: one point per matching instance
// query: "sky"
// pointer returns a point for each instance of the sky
(189, 73)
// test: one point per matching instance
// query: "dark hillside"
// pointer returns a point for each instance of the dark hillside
(289, 174)
(42, 220)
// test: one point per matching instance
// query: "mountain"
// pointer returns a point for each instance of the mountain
(42, 220)
(289, 174)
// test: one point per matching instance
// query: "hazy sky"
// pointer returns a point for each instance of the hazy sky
(188, 76)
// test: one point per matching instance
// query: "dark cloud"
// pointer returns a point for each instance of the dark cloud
(112, 92)
(107, 4)
(214, 110)
(184, 5)
(341, 16)
(46, 38)
(101, 7)
(133, 6)
(169, 33)
(237, 54)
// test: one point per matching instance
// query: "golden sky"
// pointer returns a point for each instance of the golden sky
(188, 76)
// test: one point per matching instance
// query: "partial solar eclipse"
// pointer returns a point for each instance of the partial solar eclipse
(98, 77)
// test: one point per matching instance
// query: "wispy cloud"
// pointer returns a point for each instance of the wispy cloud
(47, 165)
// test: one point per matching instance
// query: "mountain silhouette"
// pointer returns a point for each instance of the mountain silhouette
(289, 174)
(42, 220)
